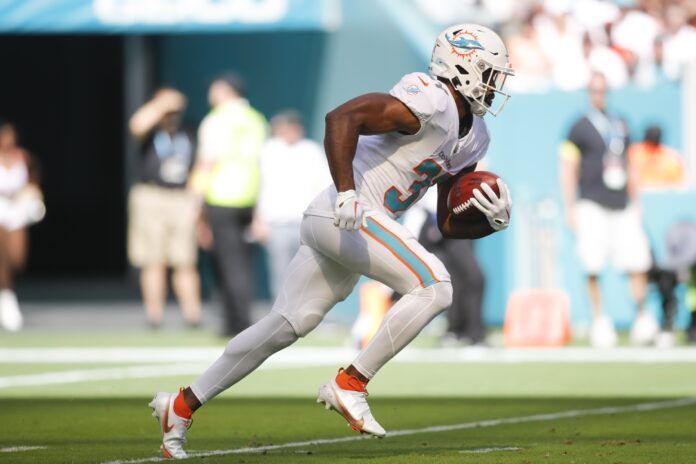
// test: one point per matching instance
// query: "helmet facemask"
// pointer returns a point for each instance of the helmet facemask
(490, 83)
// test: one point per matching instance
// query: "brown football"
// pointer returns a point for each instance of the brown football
(461, 193)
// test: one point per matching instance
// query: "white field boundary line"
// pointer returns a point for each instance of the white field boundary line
(87, 375)
(19, 449)
(323, 355)
(115, 373)
(640, 407)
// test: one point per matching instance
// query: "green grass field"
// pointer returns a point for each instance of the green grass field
(522, 413)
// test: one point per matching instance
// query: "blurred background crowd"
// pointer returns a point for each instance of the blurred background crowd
(208, 193)
(559, 43)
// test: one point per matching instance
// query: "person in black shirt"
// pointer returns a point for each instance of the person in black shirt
(162, 212)
(602, 209)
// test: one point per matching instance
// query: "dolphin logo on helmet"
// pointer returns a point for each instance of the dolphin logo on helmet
(463, 42)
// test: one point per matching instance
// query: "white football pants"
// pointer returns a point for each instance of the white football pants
(324, 272)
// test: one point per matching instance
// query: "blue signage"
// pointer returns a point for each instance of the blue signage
(166, 16)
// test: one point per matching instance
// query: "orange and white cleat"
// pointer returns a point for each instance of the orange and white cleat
(172, 426)
(347, 395)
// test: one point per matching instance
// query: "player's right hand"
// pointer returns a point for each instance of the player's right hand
(348, 212)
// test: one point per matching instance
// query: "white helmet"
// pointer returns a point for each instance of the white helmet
(475, 60)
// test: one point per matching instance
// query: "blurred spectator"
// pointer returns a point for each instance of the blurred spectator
(656, 165)
(593, 15)
(604, 59)
(465, 315)
(162, 213)
(681, 262)
(602, 208)
(561, 38)
(625, 40)
(21, 204)
(678, 47)
(293, 171)
(227, 176)
(636, 33)
(531, 65)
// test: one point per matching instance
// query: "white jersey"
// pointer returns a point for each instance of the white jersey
(393, 171)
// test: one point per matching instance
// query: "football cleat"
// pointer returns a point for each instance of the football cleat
(172, 426)
(351, 403)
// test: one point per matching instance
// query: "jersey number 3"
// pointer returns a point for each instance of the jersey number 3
(396, 202)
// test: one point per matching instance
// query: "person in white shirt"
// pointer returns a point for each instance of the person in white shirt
(678, 46)
(295, 169)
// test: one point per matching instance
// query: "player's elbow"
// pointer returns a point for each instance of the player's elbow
(333, 116)
(340, 118)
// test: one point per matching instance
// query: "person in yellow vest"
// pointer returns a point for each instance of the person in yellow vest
(227, 178)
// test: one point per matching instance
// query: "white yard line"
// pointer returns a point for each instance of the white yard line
(115, 373)
(324, 355)
(491, 450)
(170, 362)
(86, 375)
(19, 449)
(440, 428)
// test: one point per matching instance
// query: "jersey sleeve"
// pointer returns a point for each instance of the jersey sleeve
(423, 95)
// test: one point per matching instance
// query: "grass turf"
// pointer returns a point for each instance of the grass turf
(97, 430)
(97, 421)
(532, 380)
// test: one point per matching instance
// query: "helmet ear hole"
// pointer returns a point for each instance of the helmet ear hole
(456, 82)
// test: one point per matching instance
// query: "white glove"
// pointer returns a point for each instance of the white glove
(348, 213)
(497, 210)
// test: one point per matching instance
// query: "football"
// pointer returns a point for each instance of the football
(461, 193)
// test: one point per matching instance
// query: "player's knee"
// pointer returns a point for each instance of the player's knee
(306, 324)
(305, 319)
(438, 295)
(310, 315)
(443, 295)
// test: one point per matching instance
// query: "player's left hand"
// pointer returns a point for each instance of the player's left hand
(497, 209)
(348, 212)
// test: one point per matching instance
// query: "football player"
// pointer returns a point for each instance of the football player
(384, 151)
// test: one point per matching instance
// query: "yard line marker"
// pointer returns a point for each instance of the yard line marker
(324, 355)
(640, 407)
(118, 373)
(17, 449)
(490, 450)
(115, 373)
